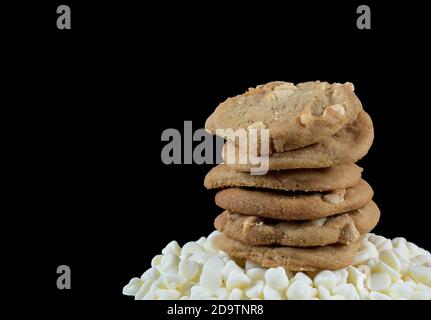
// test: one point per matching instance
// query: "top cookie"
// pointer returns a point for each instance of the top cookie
(296, 115)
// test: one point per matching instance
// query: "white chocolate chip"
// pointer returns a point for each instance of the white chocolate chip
(421, 295)
(383, 267)
(376, 240)
(214, 262)
(420, 274)
(172, 280)
(300, 276)
(200, 293)
(255, 291)
(237, 294)
(157, 260)
(299, 290)
(323, 293)
(172, 247)
(168, 261)
(133, 287)
(356, 277)
(401, 243)
(390, 258)
(143, 290)
(325, 279)
(200, 257)
(341, 275)
(256, 274)
(306, 118)
(366, 252)
(337, 108)
(319, 222)
(400, 291)
(347, 290)
(276, 278)
(335, 197)
(210, 279)
(221, 293)
(151, 293)
(248, 223)
(270, 293)
(422, 260)
(365, 270)
(421, 286)
(202, 240)
(150, 275)
(185, 289)
(379, 281)
(403, 258)
(374, 295)
(209, 244)
(167, 294)
(414, 250)
(237, 279)
(229, 267)
(385, 245)
(188, 269)
(190, 248)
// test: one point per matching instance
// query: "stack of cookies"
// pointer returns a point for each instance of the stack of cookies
(310, 211)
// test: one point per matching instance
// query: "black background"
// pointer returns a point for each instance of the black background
(93, 101)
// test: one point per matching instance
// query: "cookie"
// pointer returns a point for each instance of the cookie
(344, 228)
(329, 257)
(346, 146)
(284, 205)
(295, 115)
(323, 179)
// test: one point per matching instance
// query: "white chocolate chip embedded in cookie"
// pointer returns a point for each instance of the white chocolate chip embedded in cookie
(338, 108)
(335, 197)
(319, 222)
(306, 118)
(249, 222)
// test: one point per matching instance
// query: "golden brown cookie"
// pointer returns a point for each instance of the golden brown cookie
(343, 228)
(322, 179)
(346, 146)
(295, 115)
(284, 205)
(329, 257)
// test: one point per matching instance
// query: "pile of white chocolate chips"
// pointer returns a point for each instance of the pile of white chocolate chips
(383, 269)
